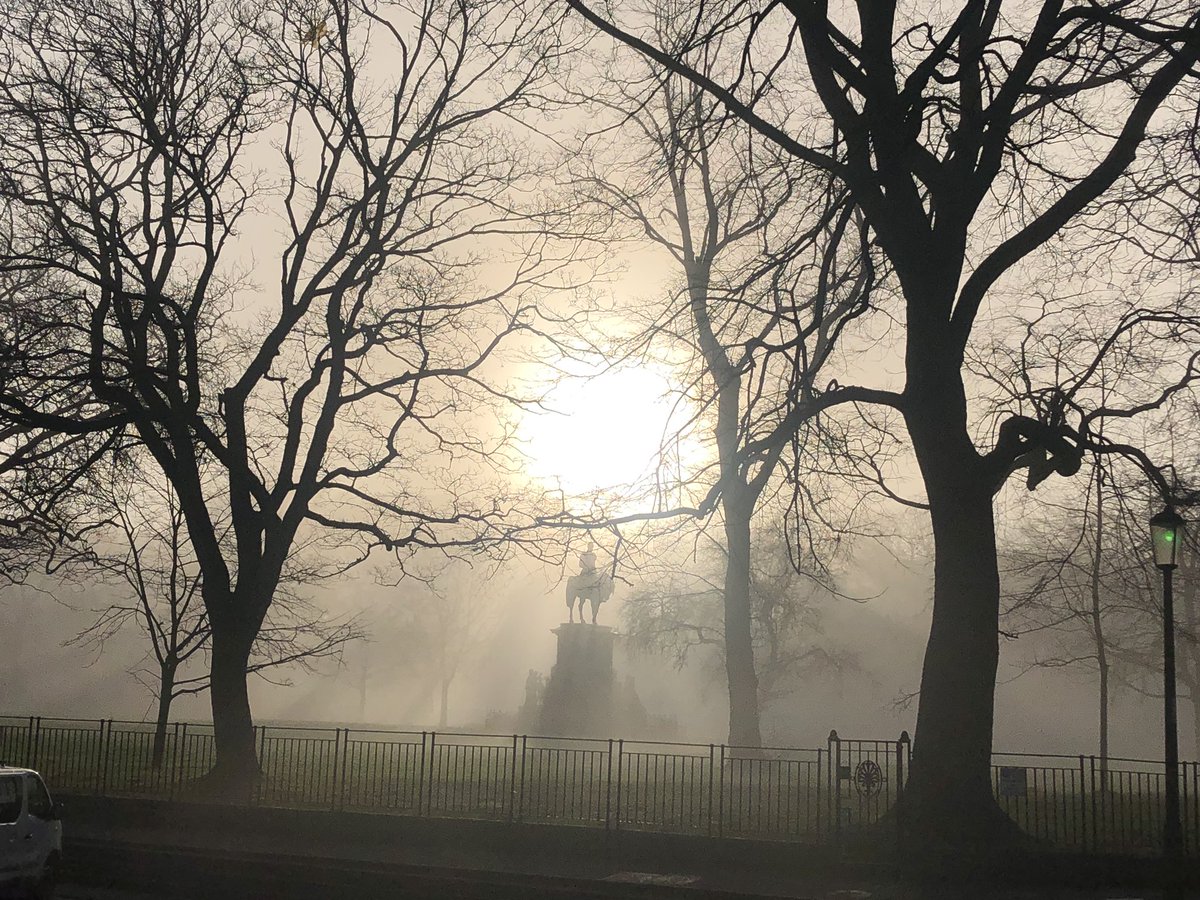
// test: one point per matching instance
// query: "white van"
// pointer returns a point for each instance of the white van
(30, 834)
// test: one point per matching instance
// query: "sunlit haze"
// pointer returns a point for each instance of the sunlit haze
(604, 431)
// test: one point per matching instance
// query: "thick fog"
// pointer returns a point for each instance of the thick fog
(881, 624)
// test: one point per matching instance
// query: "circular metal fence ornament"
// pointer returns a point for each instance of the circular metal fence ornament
(868, 779)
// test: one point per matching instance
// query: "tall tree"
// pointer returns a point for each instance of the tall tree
(951, 129)
(677, 608)
(770, 264)
(438, 630)
(140, 547)
(1075, 582)
(353, 390)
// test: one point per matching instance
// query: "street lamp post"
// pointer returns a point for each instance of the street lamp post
(1166, 533)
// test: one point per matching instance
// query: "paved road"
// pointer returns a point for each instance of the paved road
(115, 871)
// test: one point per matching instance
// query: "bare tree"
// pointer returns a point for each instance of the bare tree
(144, 549)
(771, 264)
(355, 392)
(1075, 582)
(438, 632)
(680, 611)
(951, 127)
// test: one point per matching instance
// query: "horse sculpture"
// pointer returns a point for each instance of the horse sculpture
(595, 587)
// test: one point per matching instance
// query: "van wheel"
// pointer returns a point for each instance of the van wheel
(47, 881)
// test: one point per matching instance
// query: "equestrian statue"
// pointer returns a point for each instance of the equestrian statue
(590, 584)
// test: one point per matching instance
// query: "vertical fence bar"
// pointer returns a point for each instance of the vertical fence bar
(620, 778)
(512, 782)
(721, 794)
(835, 793)
(712, 762)
(1183, 800)
(521, 790)
(255, 797)
(180, 767)
(170, 770)
(37, 742)
(339, 760)
(901, 746)
(421, 775)
(103, 748)
(1095, 829)
(1196, 806)
(608, 789)
(822, 764)
(1081, 831)
(432, 772)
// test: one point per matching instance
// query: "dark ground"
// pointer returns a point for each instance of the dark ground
(135, 850)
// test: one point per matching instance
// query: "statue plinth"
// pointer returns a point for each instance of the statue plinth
(579, 696)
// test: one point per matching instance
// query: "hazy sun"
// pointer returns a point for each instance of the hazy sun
(605, 431)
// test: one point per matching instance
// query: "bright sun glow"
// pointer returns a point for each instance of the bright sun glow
(604, 432)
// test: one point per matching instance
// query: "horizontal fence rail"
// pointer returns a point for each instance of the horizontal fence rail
(845, 792)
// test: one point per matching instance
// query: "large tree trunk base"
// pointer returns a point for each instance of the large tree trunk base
(938, 842)
(231, 783)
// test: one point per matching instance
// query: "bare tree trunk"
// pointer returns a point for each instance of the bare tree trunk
(744, 727)
(233, 728)
(950, 795)
(951, 774)
(166, 690)
(737, 507)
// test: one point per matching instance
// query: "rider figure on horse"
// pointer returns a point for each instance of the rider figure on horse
(591, 584)
(587, 563)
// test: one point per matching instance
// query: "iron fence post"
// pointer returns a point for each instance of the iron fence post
(620, 771)
(1183, 809)
(721, 797)
(1083, 797)
(255, 796)
(103, 750)
(421, 776)
(512, 781)
(821, 765)
(37, 742)
(835, 792)
(902, 747)
(337, 778)
(181, 766)
(608, 789)
(169, 771)
(29, 760)
(342, 760)
(431, 772)
(521, 790)
(712, 759)
(1196, 806)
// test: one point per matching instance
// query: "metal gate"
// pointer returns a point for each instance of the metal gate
(866, 783)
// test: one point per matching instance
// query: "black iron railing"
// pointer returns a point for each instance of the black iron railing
(827, 795)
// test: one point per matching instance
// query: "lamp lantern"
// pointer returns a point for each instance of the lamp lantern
(1166, 533)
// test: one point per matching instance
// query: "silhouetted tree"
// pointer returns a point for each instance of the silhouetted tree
(770, 264)
(950, 130)
(352, 389)
(677, 608)
(143, 547)
(1075, 579)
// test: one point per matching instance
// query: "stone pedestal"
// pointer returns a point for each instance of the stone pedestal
(579, 695)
